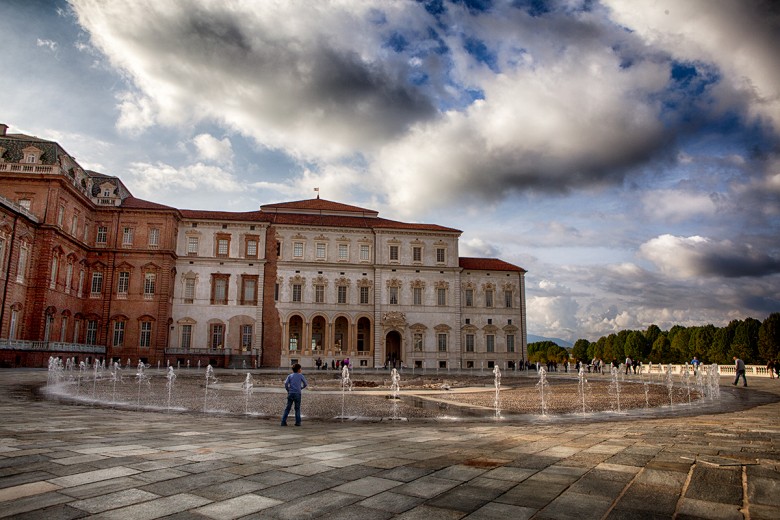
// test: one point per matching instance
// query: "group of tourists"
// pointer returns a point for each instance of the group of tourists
(323, 365)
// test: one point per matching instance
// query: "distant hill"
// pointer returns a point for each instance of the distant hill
(533, 338)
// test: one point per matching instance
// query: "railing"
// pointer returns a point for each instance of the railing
(198, 351)
(50, 346)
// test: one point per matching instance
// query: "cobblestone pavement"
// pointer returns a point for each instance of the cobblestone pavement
(61, 461)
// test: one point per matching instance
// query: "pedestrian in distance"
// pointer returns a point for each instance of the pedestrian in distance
(294, 384)
(740, 367)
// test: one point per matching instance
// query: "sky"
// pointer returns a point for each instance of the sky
(626, 153)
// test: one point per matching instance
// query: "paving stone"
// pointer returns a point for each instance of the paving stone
(643, 497)
(58, 512)
(92, 476)
(575, 506)
(356, 512)
(312, 506)
(237, 507)
(367, 486)
(689, 509)
(425, 512)
(26, 490)
(392, 502)
(426, 487)
(716, 484)
(155, 508)
(495, 511)
(114, 500)
(764, 491)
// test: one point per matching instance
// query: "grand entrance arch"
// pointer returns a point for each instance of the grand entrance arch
(393, 348)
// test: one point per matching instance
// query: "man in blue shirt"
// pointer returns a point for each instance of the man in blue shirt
(294, 384)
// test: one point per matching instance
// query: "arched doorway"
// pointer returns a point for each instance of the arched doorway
(393, 348)
(295, 332)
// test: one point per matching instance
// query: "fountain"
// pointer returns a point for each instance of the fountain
(115, 377)
(395, 388)
(582, 387)
(670, 384)
(685, 378)
(142, 379)
(346, 384)
(497, 399)
(171, 377)
(210, 379)
(543, 387)
(247, 386)
(614, 387)
(714, 380)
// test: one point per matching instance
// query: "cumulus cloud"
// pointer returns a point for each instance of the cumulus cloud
(678, 205)
(48, 44)
(210, 148)
(147, 180)
(741, 37)
(700, 256)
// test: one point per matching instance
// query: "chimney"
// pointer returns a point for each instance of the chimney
(3, 129)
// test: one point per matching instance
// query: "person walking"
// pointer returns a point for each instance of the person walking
(740, 366)
(770, 367)
(294, 384)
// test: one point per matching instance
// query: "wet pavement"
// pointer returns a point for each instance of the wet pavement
(60, 460)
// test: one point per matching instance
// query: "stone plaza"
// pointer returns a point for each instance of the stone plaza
(60, 460)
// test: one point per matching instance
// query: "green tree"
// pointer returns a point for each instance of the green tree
(680, 352)
(769, 337)
(700, 341)
(745, 342)
(721, 344)
(580, 350)
(661, 351)
(609, 348)
(651, 334)
(634, 345)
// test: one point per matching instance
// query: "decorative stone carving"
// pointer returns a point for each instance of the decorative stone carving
(394, 319)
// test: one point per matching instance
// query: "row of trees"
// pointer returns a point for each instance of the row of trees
(753, 341)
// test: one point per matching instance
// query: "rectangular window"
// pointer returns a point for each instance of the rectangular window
(63, 328)
(417, 254)
(365, 253)
(189, 290)
(469, 297)
(418, 342)
(127, 236)
(154, 237)
(119, 333)
(469, 342)
(319, 294)
(490, 343)
(393, 296)
(21, 272)
(192, 246)
(298, 249)
(54, 265)
(60, 215)
(217, 336)
(91, 338)
(123, 283)
(74, 223)
(393, 253)
(440, 257)
(364, 295)
(25, 204)
(246, 337)
(80, 289)
(510, 343)
(97, 284)
(102, 235)
(276, 292)
(2, 253)
(296, 292)
(223, 245)
(442, 342)
(150, 280)
(508, 299)
(145, 336)
(251, 248)
(489, 298)
(321, 250)
(220, 289)
(68, 276)
(342, 294)
(249, 290)
(417, 295)
(343, 252)
(186, 336)
(441, 297)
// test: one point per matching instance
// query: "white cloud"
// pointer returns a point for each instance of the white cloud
(740, 37)
(677, 205)
(149, 180)
(212, 149)
(49, 44)
(136, 113)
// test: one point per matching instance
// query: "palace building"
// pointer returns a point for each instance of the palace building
(91, 272)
